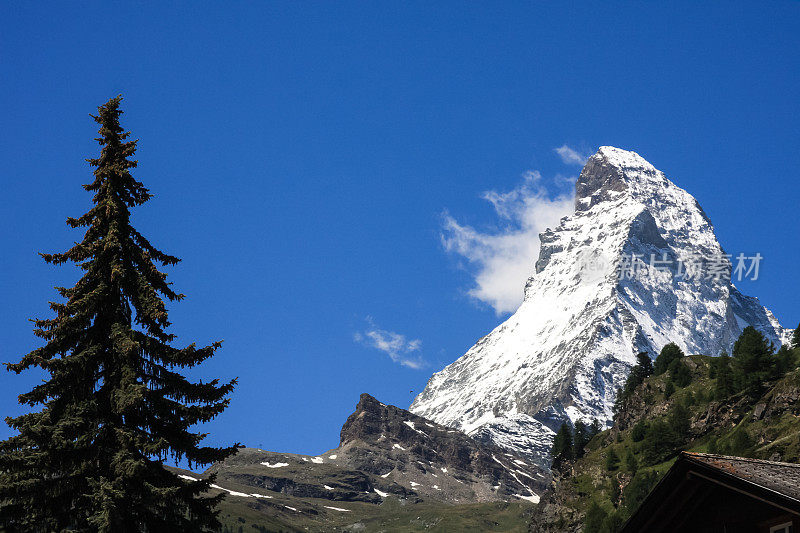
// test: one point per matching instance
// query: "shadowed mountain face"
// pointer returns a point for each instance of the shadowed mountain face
(382, 439)
(385, 453)
(587, 311)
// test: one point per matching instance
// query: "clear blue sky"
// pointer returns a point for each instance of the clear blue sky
(302, 156)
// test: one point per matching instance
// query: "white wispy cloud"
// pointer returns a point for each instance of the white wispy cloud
(502, 261)
(570, 156)
(398, 347)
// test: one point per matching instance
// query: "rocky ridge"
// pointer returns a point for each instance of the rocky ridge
(385, 453)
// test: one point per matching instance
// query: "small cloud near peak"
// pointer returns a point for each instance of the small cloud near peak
(502, 260)
(398, 347)
(570, 156)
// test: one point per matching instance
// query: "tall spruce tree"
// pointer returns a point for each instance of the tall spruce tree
(114, 406)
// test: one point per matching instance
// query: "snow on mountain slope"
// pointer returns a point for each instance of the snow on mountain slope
(587, 312)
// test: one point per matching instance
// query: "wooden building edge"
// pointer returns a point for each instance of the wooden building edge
(716, 493)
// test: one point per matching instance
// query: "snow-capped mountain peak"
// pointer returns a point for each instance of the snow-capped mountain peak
(636, 266)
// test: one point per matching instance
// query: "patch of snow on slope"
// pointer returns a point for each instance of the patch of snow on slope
(231, 492)
(411, 425)
(276, 465)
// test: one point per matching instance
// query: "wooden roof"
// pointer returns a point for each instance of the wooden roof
(772, 483)
(782, 478)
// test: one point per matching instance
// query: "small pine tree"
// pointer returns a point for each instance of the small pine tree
(640, 371)
(669, 353)
(679, 373)
(753, 363)
(114, 406)
(615, 492)
(612, 459)
(619, 402)
(658, 444)
(644, 364)
(679, 421)
(689, 399)
(700, 397)
(637, 490)
(594, 518)
(639, 430)
(563, 448)
(712, 368)
(669, 389)
(581, 438)
(630, 462)
(785, 360)
(595, 428)
(723, 387)
(613, 523)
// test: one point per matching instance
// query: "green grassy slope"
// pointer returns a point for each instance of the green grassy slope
(286, 513)
(390, 516)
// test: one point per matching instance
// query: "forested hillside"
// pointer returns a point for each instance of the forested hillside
(746, 404)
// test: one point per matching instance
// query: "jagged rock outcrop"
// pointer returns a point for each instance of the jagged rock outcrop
(380, 438)
(587, 312)
(384, 452)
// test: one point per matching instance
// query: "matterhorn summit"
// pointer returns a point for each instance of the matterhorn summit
(637, 266)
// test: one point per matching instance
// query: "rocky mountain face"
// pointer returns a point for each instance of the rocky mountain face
(384, 452)
(591, 306)
(432, 460)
